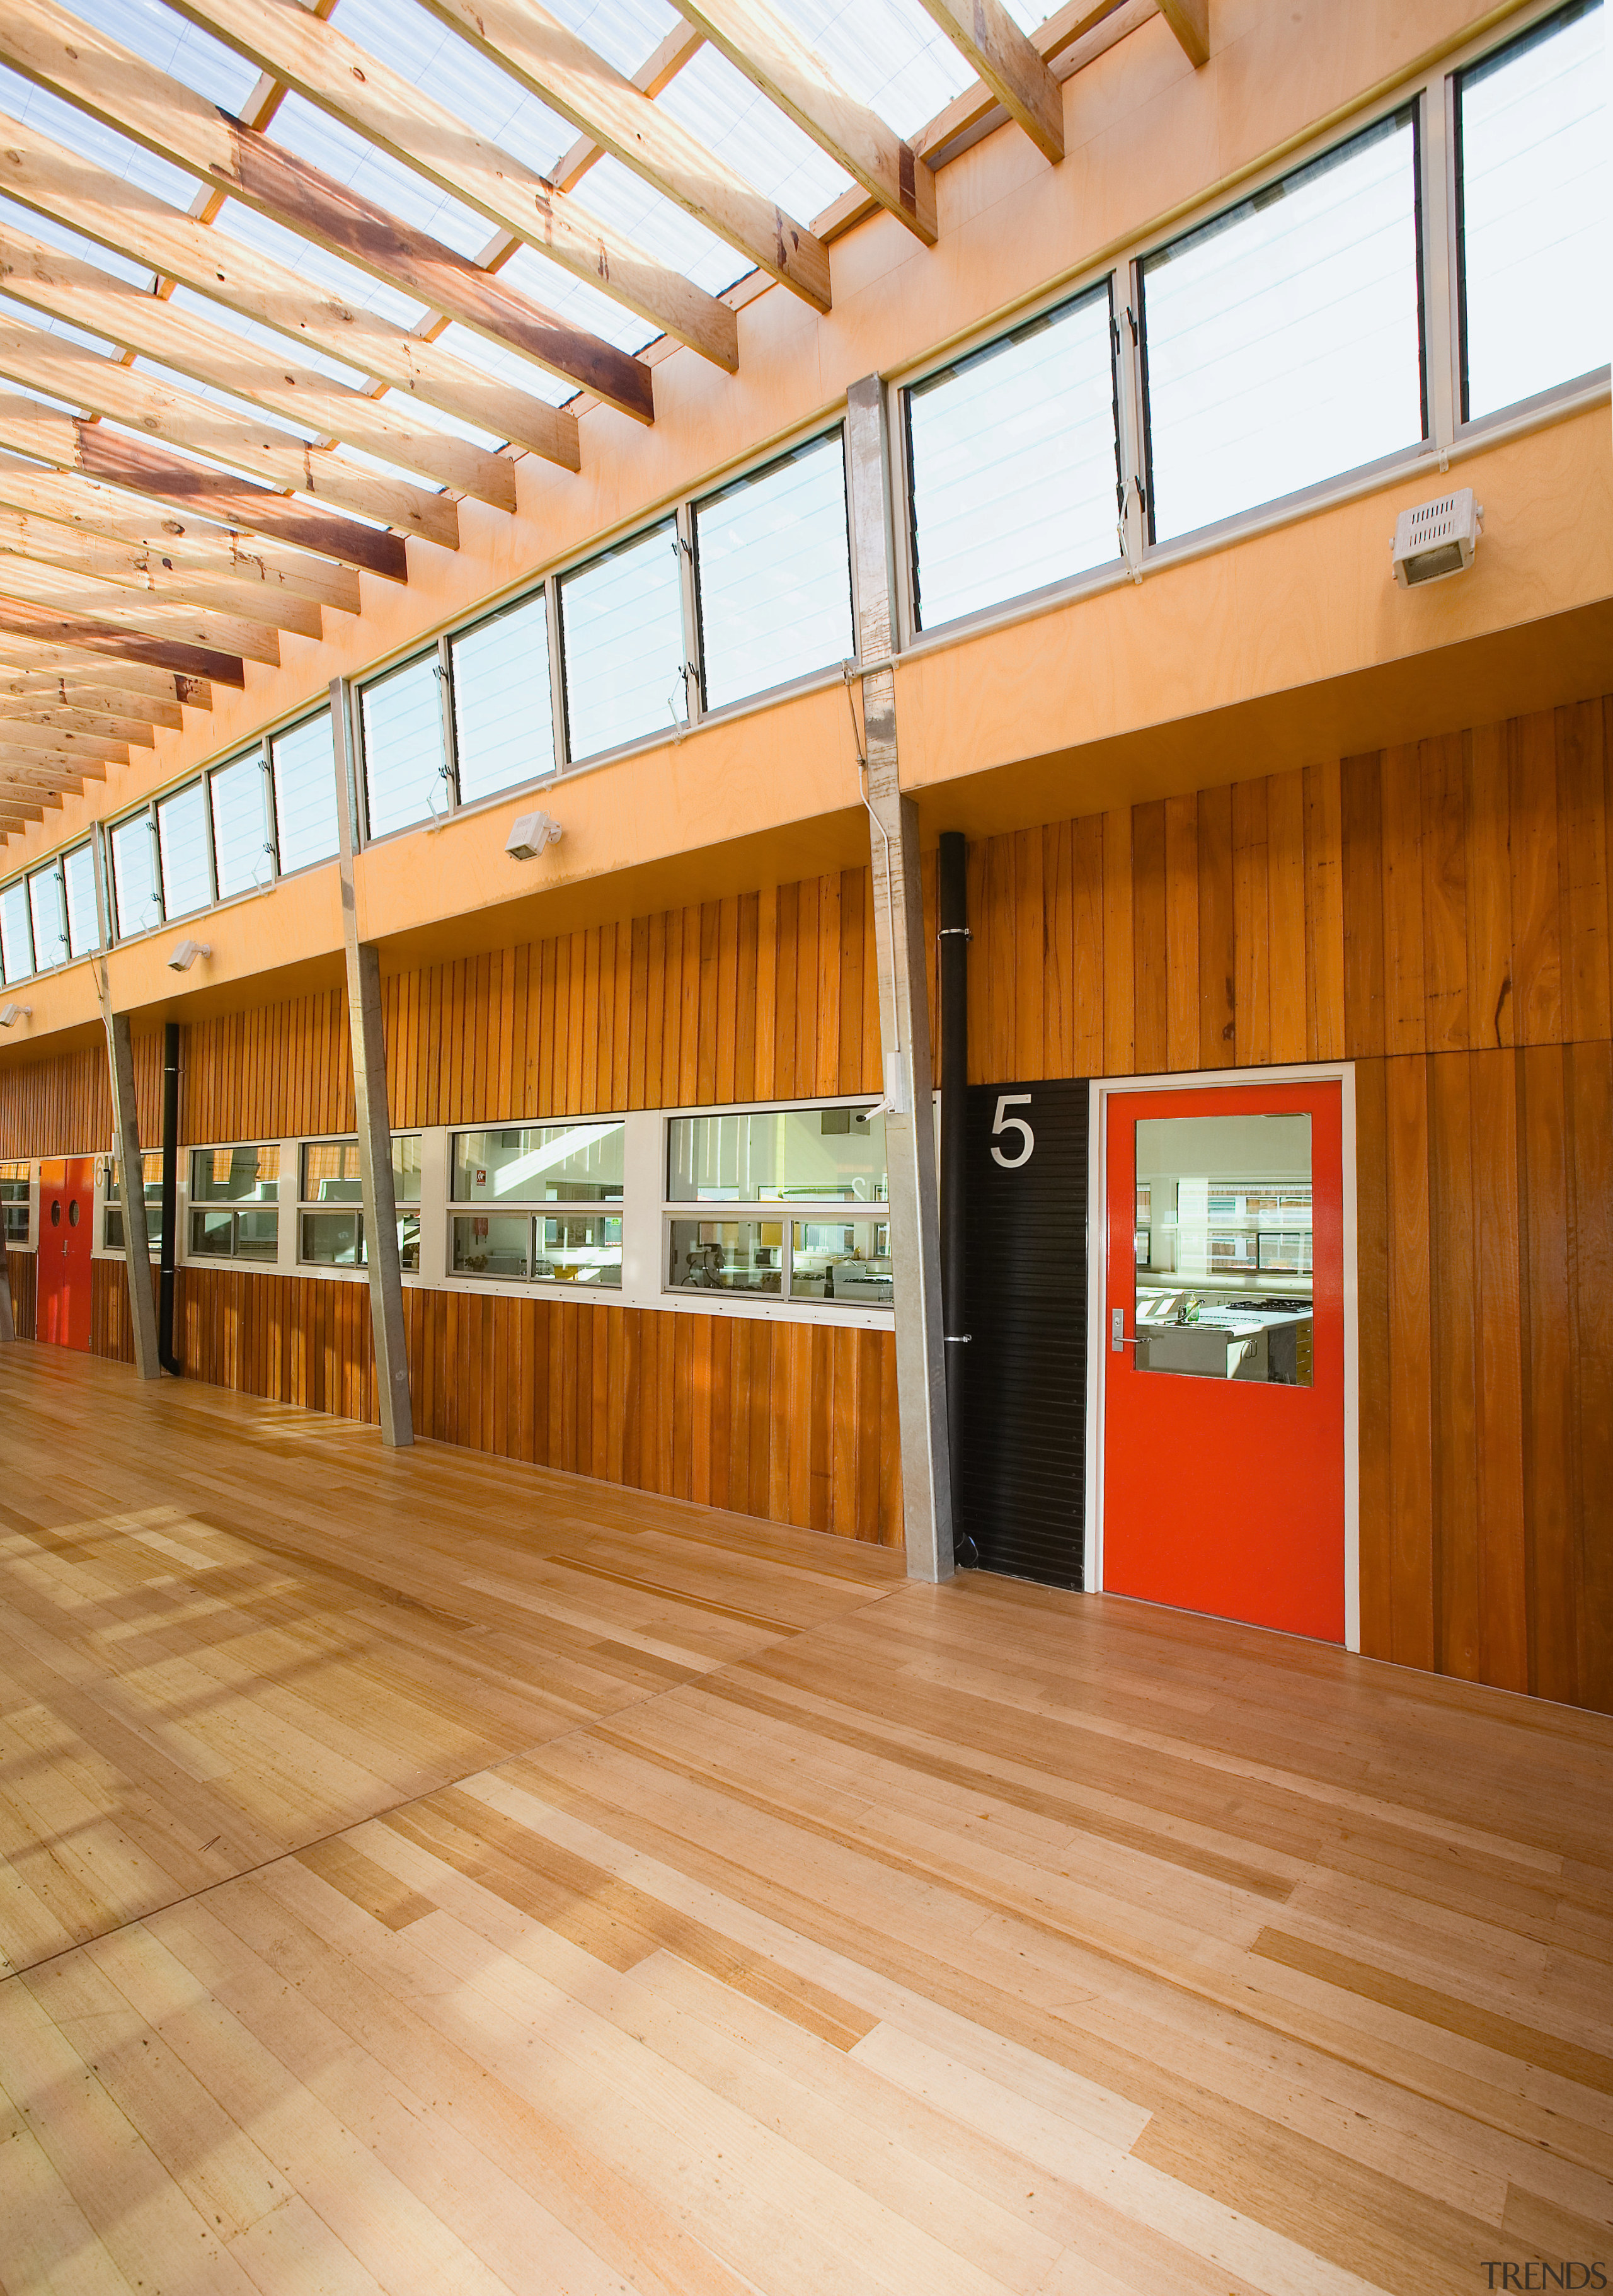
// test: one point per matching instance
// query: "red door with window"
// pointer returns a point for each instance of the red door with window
(1223, 1353)
(67, 1205)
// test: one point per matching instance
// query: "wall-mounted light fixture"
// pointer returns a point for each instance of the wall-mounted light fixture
(530, 833)
(185, 954)
(10, 1015)
(1436, 539)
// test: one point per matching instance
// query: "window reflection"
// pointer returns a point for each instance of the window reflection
(1224, 1248)
(1282, 341)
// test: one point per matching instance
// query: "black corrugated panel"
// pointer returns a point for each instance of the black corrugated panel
(1024, 1380)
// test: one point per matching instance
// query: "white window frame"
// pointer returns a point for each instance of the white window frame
(541, 1287)
(31, 1244)
(183, 1254)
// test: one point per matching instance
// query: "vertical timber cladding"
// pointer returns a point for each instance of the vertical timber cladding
(1024, 1386)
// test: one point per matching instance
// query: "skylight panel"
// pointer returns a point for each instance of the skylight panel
(71, 243)
(625, 32)
(375, 176)
(717, 102)
(317, 265)
(887, 53)
(176, 48)
(505, 365)
(63, 123)
(435, 59)
(661, 227)
(575, 301)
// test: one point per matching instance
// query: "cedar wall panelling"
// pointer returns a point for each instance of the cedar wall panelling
(1440, 914)
(63, 1107)
(21, 1268)
(792, 1421)
(764, 996)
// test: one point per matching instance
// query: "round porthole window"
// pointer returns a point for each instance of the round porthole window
(72, 1214)
(55, 1213)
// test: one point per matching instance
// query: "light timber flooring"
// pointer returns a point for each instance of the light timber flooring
(425, 1872)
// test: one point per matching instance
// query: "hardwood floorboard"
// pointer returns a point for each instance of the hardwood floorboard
(424, 1871)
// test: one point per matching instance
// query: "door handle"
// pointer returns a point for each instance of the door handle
(1118, 1336)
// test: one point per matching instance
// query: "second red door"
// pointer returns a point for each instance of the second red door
(67, 1209)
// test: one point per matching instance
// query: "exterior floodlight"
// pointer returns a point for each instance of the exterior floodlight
(185, 955)
(1436, 539)
(530, 833)
(10, 1015)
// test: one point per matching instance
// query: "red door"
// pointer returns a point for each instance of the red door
(1223, 1353)
(67, 1205)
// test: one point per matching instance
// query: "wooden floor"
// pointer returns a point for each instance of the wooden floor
(424, 1873)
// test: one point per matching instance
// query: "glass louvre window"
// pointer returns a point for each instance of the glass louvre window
(767, 1155)
(1282, 342)
(139, 904)
(82, 914)
(622, 640)
(242, 855)
(504, 720)
(1533, 197)
(774, 561)
(14, 1179)
(1013, 464)
(16, 932)
(111, 1223)
(187, 876)
(529, 1169)
(330, 1220)
(848, 1260)
(234, 1197)
(405, 774)
(49, 913)
(304, 769)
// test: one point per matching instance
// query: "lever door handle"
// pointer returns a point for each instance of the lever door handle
(1118, 1335)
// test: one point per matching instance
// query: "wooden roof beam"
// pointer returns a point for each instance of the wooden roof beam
(659, 69)
(365, 93)
(1014, 70)
(46, 629)
(58, 546)
(22, 694)
(71, 444)
(1189, 19)
(92, 724)
(66, 370)
(60, 52)
(525, 40)
(55, 181)
(99, 515)
(759, 42)
(127, 609)
(144, 324)
(74, 667)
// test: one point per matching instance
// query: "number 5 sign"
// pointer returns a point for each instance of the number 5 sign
(1003, 1122)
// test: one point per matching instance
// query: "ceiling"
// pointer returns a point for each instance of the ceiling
(271, 305)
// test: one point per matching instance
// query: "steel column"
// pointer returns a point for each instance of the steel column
(904, 1020)
(131, 1170)
(369, 1093)
(954, 907)
(167, 1355)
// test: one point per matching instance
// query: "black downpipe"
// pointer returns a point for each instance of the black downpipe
(954, 1125)
(165, 1356)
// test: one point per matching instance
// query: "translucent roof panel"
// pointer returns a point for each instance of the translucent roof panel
(375, 175)
(317, 265)
(719, 105)
(431, 57)
(176, 48)
(886, 52)
(79, 133)
(508, 366)
(625, 32)
(572, 300)
(660, 227)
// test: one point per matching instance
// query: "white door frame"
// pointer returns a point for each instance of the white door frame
(1104, 1089)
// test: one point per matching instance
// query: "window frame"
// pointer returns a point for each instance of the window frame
(358, 1271)
(775, 1211)
(265, 1263)
(531, 1209)
(15, 1170)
